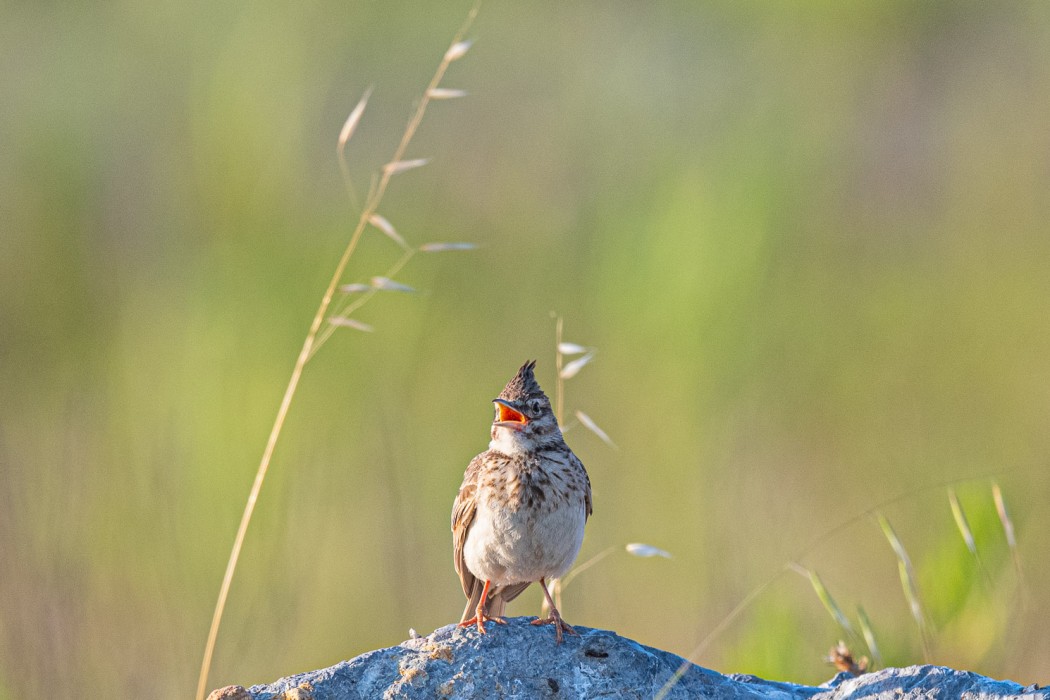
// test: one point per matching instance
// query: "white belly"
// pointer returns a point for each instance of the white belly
(505, 546)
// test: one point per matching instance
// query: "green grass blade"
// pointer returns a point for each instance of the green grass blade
(1008, 525)
(825, 598)
(909, 582)
(961, 522)
(869, 637)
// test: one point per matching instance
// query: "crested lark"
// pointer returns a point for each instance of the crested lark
(520, 512)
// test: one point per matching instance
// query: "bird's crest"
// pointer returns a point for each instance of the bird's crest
(523, 385)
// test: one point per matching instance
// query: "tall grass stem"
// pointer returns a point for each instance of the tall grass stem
(396, 164)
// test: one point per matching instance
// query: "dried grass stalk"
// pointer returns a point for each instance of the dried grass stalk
(313, 337)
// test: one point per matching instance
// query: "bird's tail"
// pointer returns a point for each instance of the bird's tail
(496, 603)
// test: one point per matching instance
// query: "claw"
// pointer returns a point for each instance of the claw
(480, 618)
(560, 625)
(480, 621)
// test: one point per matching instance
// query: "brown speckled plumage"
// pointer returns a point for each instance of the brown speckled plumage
(519, 515)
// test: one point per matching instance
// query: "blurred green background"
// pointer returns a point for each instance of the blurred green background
(809, 240)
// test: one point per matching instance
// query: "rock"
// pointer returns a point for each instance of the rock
(519, 660)
(230, 692)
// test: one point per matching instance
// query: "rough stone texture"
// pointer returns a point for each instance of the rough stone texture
(520, 660)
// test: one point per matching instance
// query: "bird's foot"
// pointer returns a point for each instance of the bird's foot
(480, 619)
(560, 625)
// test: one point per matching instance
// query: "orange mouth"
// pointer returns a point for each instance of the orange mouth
(509, 417)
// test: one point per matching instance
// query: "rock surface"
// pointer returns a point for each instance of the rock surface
(520, 660)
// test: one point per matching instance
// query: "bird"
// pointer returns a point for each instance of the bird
(520, 513)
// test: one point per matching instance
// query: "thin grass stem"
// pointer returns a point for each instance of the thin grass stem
(909, 582)
(869, 636)
(963, 525)
(360, 301)
(576, 571)
(961, 522)
(559, 359)
(716, 631)
(559, 392)
(341, 143)
(813, 544)
(825, 598)
(371, 205)
(1008, 526)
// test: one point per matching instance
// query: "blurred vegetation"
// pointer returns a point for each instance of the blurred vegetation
(810, 241)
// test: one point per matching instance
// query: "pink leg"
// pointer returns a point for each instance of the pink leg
(480, 618)
(555, 619)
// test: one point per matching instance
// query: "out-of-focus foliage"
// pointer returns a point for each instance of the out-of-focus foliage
(809, 240)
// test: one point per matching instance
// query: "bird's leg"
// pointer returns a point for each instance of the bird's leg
(480, 618)
(560, 625)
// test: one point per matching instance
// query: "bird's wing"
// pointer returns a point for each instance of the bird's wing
(586, 482)
(463, 511)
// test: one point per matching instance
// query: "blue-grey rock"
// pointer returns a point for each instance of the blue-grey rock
(519, 660)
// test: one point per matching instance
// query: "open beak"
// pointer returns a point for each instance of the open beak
(508, 417)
